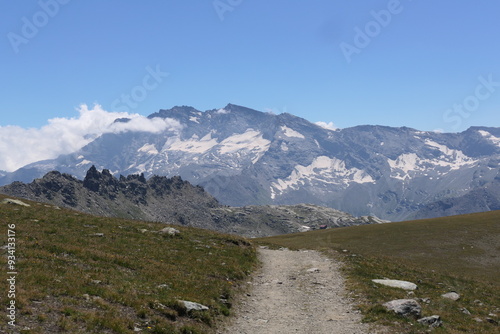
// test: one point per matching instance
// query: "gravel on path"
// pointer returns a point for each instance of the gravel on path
(296, 292)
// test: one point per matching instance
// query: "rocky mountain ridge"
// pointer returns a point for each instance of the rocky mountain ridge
(175, 201)
(245, 157)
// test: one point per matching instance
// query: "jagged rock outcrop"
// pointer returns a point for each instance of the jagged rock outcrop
(173, 200)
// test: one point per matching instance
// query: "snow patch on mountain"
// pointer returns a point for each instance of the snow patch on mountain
(250, 144)
(408, 165)
(193, 145)
(194, 119)
(84, 162)
(322, 170)
(148, 149)
(292, 133)
(250, 140)
(490, 137)
(404, 163)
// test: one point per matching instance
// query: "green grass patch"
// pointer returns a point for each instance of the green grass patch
(84, 274)
(460, 253)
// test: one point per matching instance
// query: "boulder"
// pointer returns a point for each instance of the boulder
(169, 231)
(15, 202)
(404, 307)
(191, 306)
(396, 284)
(432, 321)
(451, 295)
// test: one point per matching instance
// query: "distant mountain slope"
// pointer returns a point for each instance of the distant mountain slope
(246, 157)
(486, 198)
(172, 200)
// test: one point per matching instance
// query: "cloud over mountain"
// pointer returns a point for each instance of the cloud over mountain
(328, 126)
(20, 146)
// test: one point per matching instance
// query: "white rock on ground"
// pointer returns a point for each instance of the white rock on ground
(170, 231)
(396, 284)
(451, 295)
(15, 201)
(191, 306)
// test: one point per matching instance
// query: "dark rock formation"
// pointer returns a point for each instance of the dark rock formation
(173, 200)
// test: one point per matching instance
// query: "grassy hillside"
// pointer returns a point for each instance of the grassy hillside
(460, 253)
(82, 274)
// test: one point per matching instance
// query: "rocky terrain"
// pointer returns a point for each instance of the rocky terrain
(175, 201)
(245, 157)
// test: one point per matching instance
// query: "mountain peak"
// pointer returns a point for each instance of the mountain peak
(245, 157)
(176, 111)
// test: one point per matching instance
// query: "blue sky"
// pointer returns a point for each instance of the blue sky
(418, 63)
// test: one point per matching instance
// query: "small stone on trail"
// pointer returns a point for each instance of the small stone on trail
(313, 270)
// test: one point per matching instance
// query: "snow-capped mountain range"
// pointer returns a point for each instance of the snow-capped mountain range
(246, 157)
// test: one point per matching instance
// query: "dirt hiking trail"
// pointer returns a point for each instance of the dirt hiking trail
(296, 292)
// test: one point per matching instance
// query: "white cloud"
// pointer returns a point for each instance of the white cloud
(222, 111)
(21, 146)
(329, 126)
